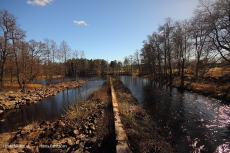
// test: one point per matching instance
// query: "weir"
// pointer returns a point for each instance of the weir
(122, 145)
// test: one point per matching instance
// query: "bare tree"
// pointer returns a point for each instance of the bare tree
(36, 50)
(54, 50)
(167, 29)
(182, 43)
(64, 50)
(9, 33)
(137, 60)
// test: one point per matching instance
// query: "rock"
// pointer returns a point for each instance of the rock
(63, 141)
(70, 142)
(77, 142)
(34, 98)
(60, 123)
(81, 145)
(90, 132)
(76, 132)
(27, 99)
(27, 129)
(81, 136)
(13, 95)
(10, 105)
(92, 126)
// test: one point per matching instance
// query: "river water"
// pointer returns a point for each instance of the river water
(196, 123)
(52, 107)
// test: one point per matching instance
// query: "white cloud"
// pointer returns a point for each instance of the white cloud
(39, 2)
(80, 22)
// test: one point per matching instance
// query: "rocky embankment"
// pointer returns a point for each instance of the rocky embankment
(15, 99)
(86, 127)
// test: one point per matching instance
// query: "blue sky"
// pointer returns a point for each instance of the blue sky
(109, 29)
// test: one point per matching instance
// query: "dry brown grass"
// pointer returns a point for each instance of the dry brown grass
(82, 108)
(15, 87)
(45, 77)
(217, 73)
(76, 111)
(141, 130)
(102, 93)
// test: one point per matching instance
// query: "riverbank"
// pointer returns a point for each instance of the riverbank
(13, 100)
(89, 127)
(86, 127)
(215, 87)
(143, 133)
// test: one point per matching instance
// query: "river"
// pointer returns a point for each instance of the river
(196, 123)
(52, 107)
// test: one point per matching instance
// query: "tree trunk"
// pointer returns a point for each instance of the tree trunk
(182, 73)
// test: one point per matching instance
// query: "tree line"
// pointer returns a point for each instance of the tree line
(25, 60)
(197, 44)
(22, 61)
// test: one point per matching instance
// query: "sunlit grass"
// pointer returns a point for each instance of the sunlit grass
(15, 86)
(81, 108)
(47, 77)
(76, 111)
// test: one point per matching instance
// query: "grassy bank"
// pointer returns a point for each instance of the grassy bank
(215, 87)
(143, 134)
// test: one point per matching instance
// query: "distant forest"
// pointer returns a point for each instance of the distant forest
(193, 46)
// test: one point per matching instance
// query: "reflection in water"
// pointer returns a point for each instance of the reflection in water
(50, 108)
(54, 80)
(195, 122)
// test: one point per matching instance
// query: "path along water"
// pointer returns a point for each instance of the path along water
(196, 123)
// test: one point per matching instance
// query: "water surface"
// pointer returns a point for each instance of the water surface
(195, 122)
(50, 108)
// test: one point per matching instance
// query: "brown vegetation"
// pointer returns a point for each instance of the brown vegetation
(143, 134)
(16, 87)
(12, 100)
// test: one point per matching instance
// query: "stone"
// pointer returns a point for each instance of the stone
(92, 126)
(76, 132)
(81, 145)
(60, 123)
(77, 142)
(70, 142)
(63, 141)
